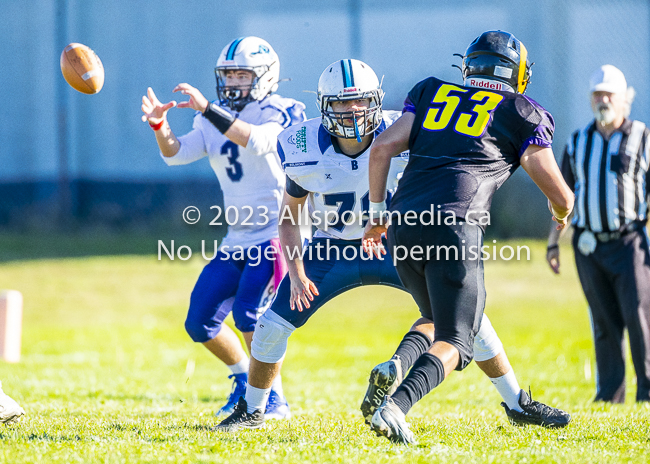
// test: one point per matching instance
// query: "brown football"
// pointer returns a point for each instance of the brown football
(82, 68)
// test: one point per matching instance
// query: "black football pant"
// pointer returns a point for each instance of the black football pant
(448, 289)
(616, 282)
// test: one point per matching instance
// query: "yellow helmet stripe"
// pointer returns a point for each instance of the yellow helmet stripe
(523, 56)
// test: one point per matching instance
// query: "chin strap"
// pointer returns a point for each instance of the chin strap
(356, 128)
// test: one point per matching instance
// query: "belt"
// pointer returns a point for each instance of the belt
(627, 229)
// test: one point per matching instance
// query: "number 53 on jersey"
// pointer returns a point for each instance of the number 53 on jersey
(444, 104)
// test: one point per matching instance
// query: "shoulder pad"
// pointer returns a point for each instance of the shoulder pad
(390, 116)
(298, 144)
(292, 111)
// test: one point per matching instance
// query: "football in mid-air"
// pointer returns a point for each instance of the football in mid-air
(82, 68)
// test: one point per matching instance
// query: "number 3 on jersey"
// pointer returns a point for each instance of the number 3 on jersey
(234, 171)
(444, 105)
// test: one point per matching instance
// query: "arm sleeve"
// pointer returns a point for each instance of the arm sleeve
(264, 138)
(295, 190)
(409, 107)
(414, 97)
(537, 129)
(192, 147)
(281, 153)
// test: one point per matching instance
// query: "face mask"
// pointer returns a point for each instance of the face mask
(605, 113)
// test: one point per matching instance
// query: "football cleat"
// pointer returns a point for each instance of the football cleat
(384, 380)
(241, 419)
(389, 421)
(536, 413)
(277, 407)
(10, 411)
(239, 384)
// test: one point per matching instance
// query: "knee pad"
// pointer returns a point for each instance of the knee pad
(270, 338)
(486, 343)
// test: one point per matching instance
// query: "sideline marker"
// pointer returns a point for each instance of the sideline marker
(11, 322)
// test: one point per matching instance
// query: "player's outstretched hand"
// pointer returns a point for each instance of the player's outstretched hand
(153, 110)
(553, 259)
(197, 101)
(302, 292)
(372, 238)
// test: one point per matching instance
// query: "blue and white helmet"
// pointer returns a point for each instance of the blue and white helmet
(349, 80)
(250, 54)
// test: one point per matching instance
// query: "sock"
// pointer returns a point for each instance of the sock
(427, 373)
(277, 386)
(241, 367)
(412, 346)
(508, 388)
(256, 398)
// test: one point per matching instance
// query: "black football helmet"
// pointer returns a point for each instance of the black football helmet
(498, 56)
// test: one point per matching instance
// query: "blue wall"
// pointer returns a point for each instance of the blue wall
(161, 43)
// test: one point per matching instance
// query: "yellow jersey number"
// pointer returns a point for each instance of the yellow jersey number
(468, 124)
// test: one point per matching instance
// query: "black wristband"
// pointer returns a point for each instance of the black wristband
(552, 247)
(220, 118)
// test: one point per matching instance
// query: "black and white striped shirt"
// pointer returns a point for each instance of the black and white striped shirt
(609, 177)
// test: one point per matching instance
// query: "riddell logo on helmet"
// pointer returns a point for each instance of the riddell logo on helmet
(486, 84)
(349, 89)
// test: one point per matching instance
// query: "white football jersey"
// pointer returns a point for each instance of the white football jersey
(337, 184)
(251, 178)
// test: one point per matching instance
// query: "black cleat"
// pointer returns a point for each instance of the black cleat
(384, 380)
(536, 413)
(241, 419)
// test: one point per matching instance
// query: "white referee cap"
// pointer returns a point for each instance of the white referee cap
(608, 78)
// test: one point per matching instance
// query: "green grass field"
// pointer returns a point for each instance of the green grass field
(109, 375)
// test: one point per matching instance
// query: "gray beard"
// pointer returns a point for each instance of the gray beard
(604, 114)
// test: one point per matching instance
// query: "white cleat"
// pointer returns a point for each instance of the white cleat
(389, 421)
(10, 411)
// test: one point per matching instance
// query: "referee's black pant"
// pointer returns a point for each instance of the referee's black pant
(616, 282)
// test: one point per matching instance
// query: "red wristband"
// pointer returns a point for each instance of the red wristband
(156, 127)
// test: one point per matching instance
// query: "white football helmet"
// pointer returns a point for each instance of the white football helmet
(251, 54)
(349, 80)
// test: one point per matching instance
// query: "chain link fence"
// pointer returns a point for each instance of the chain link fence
(101, 169)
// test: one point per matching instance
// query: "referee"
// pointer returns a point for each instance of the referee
(606, 165)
